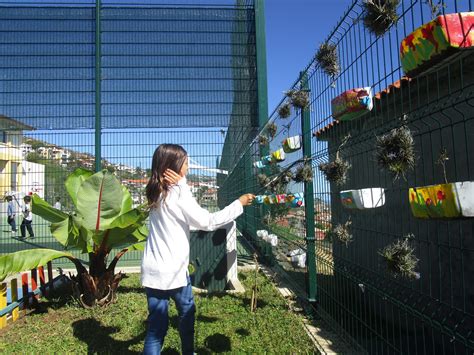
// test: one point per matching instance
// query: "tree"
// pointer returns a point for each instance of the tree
(104, 219)
(34, 157)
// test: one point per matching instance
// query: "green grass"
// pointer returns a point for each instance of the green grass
(224, 323)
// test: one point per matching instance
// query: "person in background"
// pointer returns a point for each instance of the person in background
(57, 204)
(11, 212)
(27, 218)
(164, 271)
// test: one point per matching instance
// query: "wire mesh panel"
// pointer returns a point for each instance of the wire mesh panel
(120, 79)
(393, 247)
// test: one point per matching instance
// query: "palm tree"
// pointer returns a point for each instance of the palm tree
(104, 219)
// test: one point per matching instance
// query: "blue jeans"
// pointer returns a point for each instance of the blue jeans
(158, 320)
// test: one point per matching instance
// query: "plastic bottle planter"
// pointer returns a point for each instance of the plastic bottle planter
(435, 41)
(364, 198)
(272, 239)
(265, 161)
(443, 201)
(291, 144)
(352, 104)
(295, 200)
(276, 156)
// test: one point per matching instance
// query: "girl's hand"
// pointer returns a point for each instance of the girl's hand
(246, 199)
(171, 177)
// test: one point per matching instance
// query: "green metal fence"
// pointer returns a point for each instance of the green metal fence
(430, 311)
(101, 84)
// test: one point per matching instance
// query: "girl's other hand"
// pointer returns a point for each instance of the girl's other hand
(246, 199)
(171, 177)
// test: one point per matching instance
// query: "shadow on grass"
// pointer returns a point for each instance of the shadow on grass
(99, 340)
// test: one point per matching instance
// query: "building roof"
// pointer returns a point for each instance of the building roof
(9, 124)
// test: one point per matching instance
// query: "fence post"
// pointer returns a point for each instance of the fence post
(50, 276)
(3, 304)
(98, 88)
(24, 286)
(34, 280)
(14, 290)
(309, 200)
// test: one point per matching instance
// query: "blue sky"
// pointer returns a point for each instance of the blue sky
(294, 30)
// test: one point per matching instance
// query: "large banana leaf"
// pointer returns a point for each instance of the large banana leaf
(74, 181)
(46, 211)
(99, 201)
(27, 260)
(72, 234)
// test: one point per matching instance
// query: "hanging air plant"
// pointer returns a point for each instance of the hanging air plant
(285, 110)
(299, 98)
(341, 232)
(287, 176)
(336, 171)
(395, 151)
(304, 173)
(400, 258)
(262, 140)
(267, 219)
(328, 59)
(380, 15)
(271, 130)
(263, 180)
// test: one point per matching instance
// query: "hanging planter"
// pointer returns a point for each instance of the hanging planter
(291, 144)
(364, 198)
(448, 200)
(278, 155)
(451, 200)
(263, 180)
(263, 162)
(294, 200)
(395, 151)
(380, 15)
(435, 41)
(328, 60)
(285, 110)
(400, 258)
(352, 104)
(298, 98)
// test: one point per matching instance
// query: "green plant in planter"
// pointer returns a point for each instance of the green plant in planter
(400, 258)
(336, 171)
(104, 219)
(262, 140)
(395, 151)
(341, 233)
(380, 15)
(328, 59)
(304, 173)
(271, 130)
(263, 180)
(299, 98)
(285, 110)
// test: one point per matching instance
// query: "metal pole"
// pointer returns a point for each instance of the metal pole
(98, 89)
(309, 201)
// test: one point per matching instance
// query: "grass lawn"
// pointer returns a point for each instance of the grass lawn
(224, 323)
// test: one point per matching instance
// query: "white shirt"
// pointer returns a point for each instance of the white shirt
(166, 256)
(26, 209)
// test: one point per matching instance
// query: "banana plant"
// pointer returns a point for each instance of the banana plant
(103, 219)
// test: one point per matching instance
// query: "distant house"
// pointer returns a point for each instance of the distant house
(12, 173)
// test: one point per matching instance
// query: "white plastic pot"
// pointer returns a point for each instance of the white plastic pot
(362, 199)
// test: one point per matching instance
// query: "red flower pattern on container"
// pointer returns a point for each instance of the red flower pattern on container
(429, 202)
(413, 197)
(441, 195)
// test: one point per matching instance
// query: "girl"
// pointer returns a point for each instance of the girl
(166, 256)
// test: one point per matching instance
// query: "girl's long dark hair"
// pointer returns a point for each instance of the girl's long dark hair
(166, 156)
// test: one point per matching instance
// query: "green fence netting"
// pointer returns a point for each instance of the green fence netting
(101, 84)
(427, 309)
